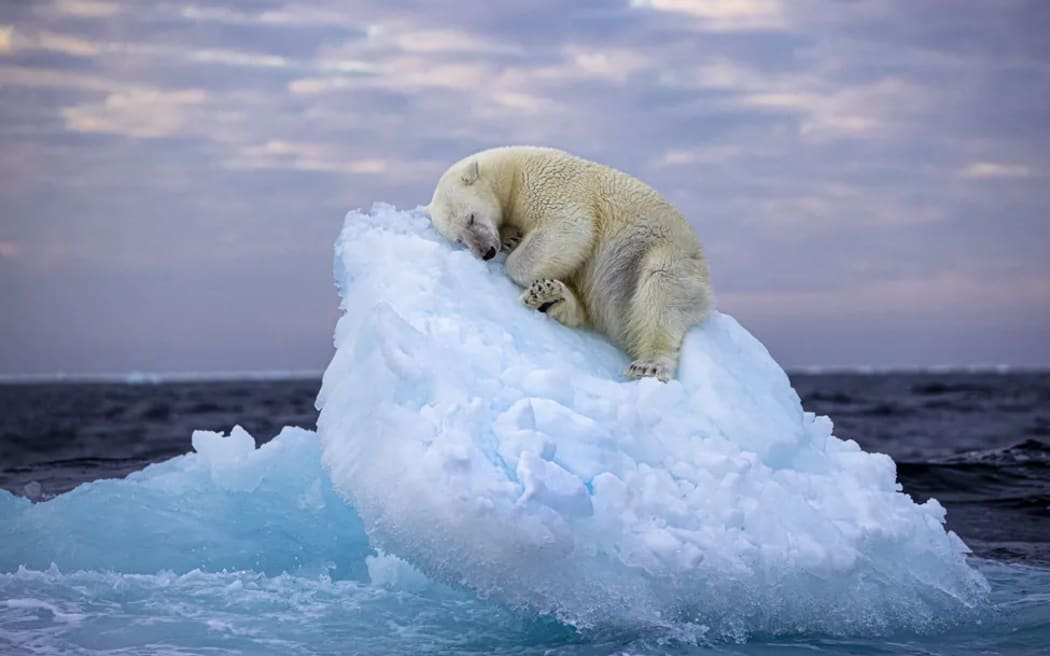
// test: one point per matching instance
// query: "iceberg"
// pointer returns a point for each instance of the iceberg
(496, 449)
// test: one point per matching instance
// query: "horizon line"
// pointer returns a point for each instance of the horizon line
(145, 378)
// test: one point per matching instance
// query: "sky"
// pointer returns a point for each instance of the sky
(870, 179)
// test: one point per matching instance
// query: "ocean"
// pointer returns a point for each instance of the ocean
(977, 442)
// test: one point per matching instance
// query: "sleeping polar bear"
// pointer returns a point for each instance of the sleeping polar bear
(591, 246)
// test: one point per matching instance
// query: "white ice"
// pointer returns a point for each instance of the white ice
(492, 447)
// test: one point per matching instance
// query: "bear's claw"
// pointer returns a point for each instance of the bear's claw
(649, 368)
(543, 294)
(510, 243)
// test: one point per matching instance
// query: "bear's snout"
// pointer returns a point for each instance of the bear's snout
(490, 254)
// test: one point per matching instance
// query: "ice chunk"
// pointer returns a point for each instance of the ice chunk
(490, 446)
(549, 484)
(389, 571)
(229, 506)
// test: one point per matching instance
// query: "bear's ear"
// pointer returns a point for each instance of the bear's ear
(471, 173)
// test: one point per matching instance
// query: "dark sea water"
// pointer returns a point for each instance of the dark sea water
(63, 434)
(978, 442)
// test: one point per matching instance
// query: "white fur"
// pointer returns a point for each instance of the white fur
(591, 246)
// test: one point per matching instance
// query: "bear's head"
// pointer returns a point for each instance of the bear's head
(466, 210)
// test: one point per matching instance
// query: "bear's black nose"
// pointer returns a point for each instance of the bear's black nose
(491, 254)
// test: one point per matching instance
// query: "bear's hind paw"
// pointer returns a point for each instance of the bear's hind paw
(657, 368)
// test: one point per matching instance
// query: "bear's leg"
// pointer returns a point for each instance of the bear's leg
(550, 253)
(671, 297)
(556, 300)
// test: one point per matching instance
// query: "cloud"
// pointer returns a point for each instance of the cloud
(143, 113)
(436, 40)
(864, 110)
(90, 48)
(707, 155)
(877, 299)
(57, 42)
(235, 58)
(6, 38)
(57, 79)
(286, 16)
(313, 86)
(723, 15)
(996, 170)
(617, 64)
(87, 8)
(300, 156)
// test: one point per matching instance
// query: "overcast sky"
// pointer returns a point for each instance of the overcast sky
(871, 179)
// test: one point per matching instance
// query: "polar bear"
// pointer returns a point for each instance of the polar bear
(591, 246)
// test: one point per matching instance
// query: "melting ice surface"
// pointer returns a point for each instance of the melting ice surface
(482, 481)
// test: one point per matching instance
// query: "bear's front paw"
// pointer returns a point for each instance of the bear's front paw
(543, 294)
(650, 368)
(511, 242)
